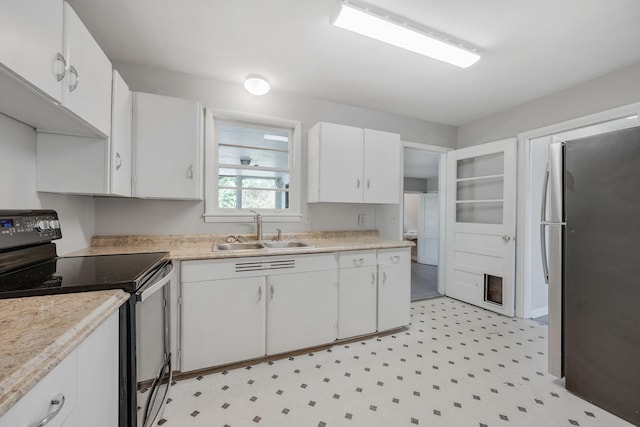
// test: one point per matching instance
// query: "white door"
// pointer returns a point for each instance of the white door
(121, 137)
(481, 213)
(429, 229)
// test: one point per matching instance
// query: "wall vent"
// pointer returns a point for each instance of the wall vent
(265, 265)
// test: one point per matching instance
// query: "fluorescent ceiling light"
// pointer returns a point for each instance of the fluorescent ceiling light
(277, 138)
(256, 84)
(381, 25)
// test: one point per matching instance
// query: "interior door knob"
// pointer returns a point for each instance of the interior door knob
(506, 238)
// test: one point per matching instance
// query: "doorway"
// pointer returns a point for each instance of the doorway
(421, 220)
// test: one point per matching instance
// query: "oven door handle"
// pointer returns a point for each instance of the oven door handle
(155, 287)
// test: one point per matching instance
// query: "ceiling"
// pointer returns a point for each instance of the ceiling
(530, 48)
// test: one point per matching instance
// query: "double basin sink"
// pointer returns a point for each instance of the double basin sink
(275, 244)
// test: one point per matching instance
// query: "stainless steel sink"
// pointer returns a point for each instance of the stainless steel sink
(237, 246)
(245, 246)
(283, 244)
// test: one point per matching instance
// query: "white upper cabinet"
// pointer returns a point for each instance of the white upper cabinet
(31, 43)
(91, 166)
(53, 75)
(121, 149)
(381, 167)
(352, 165)
(87, 83)
(168, 140)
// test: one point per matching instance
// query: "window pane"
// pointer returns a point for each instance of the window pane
(245, 135)
(259, 183)
(253, 157)
(227, 198)
(254, 199)
(227, 181)
(489, 164)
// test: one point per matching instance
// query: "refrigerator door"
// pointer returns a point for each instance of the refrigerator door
(555, 229)
(602, 271)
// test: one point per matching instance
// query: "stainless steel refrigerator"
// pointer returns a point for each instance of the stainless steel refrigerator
(590, 235)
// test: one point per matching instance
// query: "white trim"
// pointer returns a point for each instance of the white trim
(294, 213)
(523, 263)
(426, 147)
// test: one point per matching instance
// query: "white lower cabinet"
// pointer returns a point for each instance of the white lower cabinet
(357, 293)
(83, 388)
(242, 308)
(302, 310)
(394, 288)
(223, 321)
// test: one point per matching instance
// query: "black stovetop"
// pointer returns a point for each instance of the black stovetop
(81, 273)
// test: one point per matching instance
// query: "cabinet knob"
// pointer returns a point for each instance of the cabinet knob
(190, 172)
(57, 402)
(368, 183)
(373, 278)
(358, 183)
(118, 161)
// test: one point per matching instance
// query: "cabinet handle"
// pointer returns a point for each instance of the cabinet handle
(395, 259)
(118, 161)
(190, 172)
(373, 278)
(368, 183)
(272, 292)
(384, 277)
(358, 185)
(56, 405)
(72, 70)
(60, 58)
(259, 293)
(358, 262)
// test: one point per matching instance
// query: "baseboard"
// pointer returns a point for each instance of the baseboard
(538, 312)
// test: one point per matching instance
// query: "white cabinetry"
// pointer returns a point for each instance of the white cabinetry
(242, 308)
(87, 88)
(224, 321)
(353, 165)
(168, 141)
(302, 310)
(357, 293)
(83, 387)
(48, 59)
(394, 288)
(84, 165)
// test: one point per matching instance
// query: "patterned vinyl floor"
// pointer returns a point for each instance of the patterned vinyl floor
(456, 365)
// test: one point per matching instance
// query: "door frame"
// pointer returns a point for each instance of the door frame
(524, 202)
(442, 177)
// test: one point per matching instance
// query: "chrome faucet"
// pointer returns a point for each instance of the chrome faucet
(258, 219)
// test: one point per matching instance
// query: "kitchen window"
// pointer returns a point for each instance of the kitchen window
(252, 164)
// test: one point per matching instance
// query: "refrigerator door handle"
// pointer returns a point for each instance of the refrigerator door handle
(543, 225)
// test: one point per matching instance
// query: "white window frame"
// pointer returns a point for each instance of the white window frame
(212, 213)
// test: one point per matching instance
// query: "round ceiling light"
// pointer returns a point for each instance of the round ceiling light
(256, 84)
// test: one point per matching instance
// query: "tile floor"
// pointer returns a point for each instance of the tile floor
(456, 365)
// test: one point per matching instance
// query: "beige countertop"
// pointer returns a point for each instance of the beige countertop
(38, 332)
(199, 246)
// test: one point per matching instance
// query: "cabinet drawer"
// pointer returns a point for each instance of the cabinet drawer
(212, 269)
(357, 258)
(36, 404)
(394, 256)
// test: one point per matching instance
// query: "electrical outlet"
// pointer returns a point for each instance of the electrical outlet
(360, 219)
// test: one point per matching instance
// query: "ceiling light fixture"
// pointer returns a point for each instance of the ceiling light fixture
(256, 84)
(381, 25)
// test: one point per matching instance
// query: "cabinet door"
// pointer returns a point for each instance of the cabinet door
(223, 321)
(98, 388)
(394, 288)
(302, 310)
(167, 144)
(121, 134)
(357, 301)
(381, 167)
(31, 34)
(87, 84)
(340, 163)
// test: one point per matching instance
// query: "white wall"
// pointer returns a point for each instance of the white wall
(611, 90)
(121, 216)
(18, 187)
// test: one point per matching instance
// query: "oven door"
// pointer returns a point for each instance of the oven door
(153, 346)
